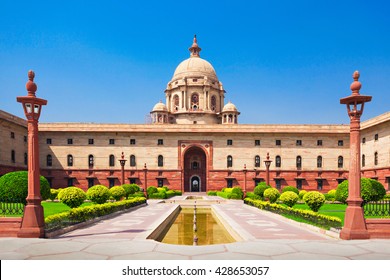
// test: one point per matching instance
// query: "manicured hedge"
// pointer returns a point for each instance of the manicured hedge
(82, 214)
(319, 219)
(98, 194)
(72, 196)
(253, 196)
(371, 190)
(260, 188)
(161, 193)
(231, 193)
(212, 193)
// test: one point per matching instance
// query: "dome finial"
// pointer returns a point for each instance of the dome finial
(356, 85)
(195, 50)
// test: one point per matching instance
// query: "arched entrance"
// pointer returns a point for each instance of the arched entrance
(195, 170)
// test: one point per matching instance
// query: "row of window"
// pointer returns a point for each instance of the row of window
(91, 141)
(376, 137)
(278, 142)
(13, 136)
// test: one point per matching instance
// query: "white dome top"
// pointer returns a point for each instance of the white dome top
(230, 107)
(194, 67)
(160, 107)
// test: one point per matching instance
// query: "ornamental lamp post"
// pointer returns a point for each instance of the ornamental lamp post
(267, 163)
(122, 161)
(354, 222)
(33, 220)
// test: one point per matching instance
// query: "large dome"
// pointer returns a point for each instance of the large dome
(194, 67)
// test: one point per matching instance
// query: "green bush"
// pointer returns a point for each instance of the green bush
(228, 190)
(272, 194)
(98, 194)
(302, 193)
(331, 195)
(170, 193)
(166, 188)
(237, 192)
(212, 193)
(289, 198)
(253, 196)
(158, 195)
(137, 194)
(387, 196)
(178, 192)
(82, 214)
(14, 187)
(319, 219)
(72, 196)
(290, 189)
(371, 190)
(129, 189)
(314, 200)
(117, 192)
(150, 190)
(54, 193)
(260, 188)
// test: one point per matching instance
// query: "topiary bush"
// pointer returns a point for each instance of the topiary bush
(117, 192)
(302, 193)
(314, 200)
(14, 187)
(253, 196)
(129, 189)
(290, 189)
(237, 193)
(272, 194)
(289, 198)
(72, 196)
(371, 190)
(212, 193)
(158, 195)
(260, 188)
(54, 193)
(98, 194)
(331, 195)
(151, 190)
(137, 194)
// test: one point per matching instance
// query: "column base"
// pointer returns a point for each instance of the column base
(354, 224)
(31, 232)
(33, 223)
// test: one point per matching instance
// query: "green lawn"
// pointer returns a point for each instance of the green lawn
(336, 210)
(50, 208)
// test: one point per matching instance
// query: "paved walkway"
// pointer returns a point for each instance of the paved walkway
(264, 236)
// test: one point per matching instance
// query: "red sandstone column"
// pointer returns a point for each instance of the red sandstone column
(33, 219)
(354, 222)
(145, 179)
(122, 161)
(244, 170)
(267, 165)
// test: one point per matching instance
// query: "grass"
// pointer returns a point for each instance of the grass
(335, 210)
(51, 207)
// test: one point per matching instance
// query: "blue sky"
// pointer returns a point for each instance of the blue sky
(110, 61)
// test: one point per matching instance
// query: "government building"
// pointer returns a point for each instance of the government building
(195, 143)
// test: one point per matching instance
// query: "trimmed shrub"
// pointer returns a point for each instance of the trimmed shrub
(117, 192)
(260, 188)
(289, 198)
(150, 190)
(14, 187)
(98, 194)
(170, 193)
(54, 193)
(137, 194)
(253, 196)
(314, 200)
(331, 195)
(166, 188)
(212, 193)
(158, 195)
(290, 189)
(237, 192)
(161, 190)
(228, 190)
(370, 191)
(129, 189)
(72, 196)
(272, 194)
(302, 193)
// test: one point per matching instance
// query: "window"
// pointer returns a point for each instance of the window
(340, 143)
(319, 185)
(111, 142)
(195, 102)
(364, 140)
(213, 103)
(319, 162)
(299, 143)
(49, 160)
(25, 159)
(132, 160)
(299, 184)
(70, 160)
(195, 165)
(257, 142)
(278, 142)
(70, 182)
(376, 158)
(13, 135)
(340, 162)
(175, 103)
(230, 183)
(160, 161)
(278, 161)
(376, 137)
(13, 156)
(90, 141)
(132, 141)
(50, 181)
(70, 141)
(111, 182)
(133, 181)
(112, 160)
(90, 161)
(229, 160)
(160, 141)
(48, 141)
(278, 183)
(91, 182)
(229, 142)
(257, 161)
(160, 183)
(363, 160)
(299, 162)
(319, 142)
(25, 139)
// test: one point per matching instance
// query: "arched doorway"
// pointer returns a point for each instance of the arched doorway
(195, 170)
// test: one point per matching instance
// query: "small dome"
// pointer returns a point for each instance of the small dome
(230, 107)
(160, 107)
(194, 67)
